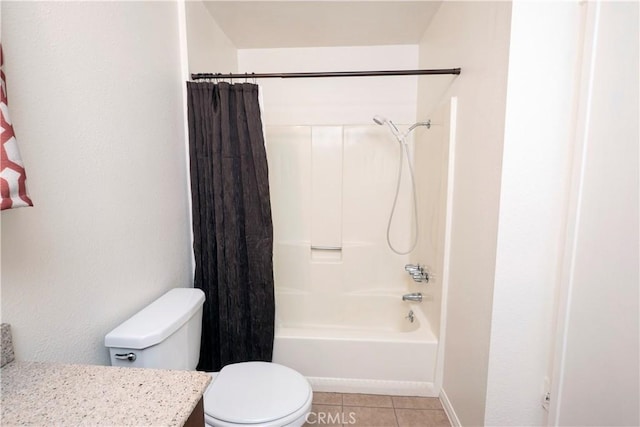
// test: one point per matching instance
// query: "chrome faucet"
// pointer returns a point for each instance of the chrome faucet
(416, 296)
(417, 272)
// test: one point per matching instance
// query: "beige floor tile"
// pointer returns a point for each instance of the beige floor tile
(422, 418)
(416, 402)
(369, 417)
(327, 398)
(369, 400)
(324, 416)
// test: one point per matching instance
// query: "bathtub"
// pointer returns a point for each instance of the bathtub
(356, 343)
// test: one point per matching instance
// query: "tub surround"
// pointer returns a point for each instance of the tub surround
(57, 394)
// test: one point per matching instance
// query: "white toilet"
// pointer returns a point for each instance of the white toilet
(166, 335)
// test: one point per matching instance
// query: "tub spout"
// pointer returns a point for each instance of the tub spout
(416, 296)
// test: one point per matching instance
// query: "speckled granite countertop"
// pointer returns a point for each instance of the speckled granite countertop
(6, 345)
(70, 395)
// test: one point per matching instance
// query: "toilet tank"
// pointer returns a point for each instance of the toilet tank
(163, 335)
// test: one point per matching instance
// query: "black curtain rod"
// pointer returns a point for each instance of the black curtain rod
(324, 74)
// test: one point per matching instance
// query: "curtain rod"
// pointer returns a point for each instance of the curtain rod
(198, 76)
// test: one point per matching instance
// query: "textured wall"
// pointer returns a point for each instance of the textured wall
(474, 36)
(96, 101)
(535, 178)
(601, 294)
(210, 50)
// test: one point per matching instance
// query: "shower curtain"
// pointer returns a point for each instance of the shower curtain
(232, 228)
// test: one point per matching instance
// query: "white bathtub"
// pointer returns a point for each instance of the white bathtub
(356, 343)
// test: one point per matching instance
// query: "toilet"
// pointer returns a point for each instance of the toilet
(166, 335)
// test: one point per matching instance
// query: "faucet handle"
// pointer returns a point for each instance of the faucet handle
(418, 273)
(418, 276)
(422, 275)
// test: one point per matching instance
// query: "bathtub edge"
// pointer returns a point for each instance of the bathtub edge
(368, 386)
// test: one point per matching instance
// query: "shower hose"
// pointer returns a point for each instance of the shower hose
(403, 144)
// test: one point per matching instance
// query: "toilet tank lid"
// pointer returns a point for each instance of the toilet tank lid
(158, 320)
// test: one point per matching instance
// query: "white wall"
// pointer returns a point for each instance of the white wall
(540, 121)
(475, 37)
(596, 373)
(334, 101)
(209, 48)
(95, 95)
(431, 157)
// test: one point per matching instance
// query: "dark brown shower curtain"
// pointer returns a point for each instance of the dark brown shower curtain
(233, 232)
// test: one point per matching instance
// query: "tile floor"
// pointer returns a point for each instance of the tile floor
(369, 410)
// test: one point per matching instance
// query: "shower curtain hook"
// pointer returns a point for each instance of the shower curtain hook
(255, 81)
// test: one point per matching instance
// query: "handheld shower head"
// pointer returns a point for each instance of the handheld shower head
(383, 120)
(379, 120)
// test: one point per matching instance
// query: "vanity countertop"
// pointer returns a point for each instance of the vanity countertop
(68, 395)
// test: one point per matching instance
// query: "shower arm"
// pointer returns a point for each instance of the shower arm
(427, 124)
(403, 136)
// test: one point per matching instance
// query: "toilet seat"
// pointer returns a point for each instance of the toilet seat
(257, 394)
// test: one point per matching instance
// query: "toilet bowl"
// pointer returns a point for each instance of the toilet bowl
(257, 394)
(166, 335)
